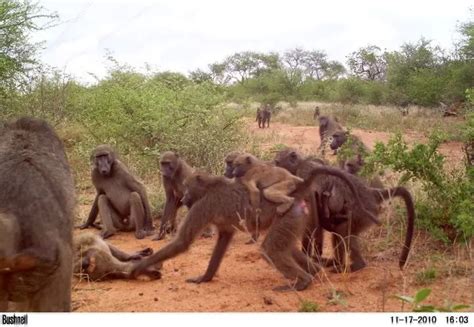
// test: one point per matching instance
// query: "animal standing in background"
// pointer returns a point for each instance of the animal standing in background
(36, 215)
(100, 261)
(316, 113)
(121, 199)
(327, 127)
(276, 183)
(263, 116)
(224, 203)
(174, 170)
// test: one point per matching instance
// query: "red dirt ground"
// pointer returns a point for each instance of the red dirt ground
(244, 282)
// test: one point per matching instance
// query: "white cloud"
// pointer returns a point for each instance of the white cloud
(184, 35)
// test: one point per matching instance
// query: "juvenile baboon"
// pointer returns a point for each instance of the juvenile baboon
(36, 214)
(327, 127)
(229, 163)
(223, 202)
(121, 199)
(100, 260)
(353, 149)
(316, 113)
(276, 183)
(354, 166)
(337, 203)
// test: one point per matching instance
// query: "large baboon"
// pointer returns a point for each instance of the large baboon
(223, 202)
(334, 204)
(337, 203)
(275, 183)
(99, 260)
(36, 215)
(263, 116)
(327, 126)
(121, 199)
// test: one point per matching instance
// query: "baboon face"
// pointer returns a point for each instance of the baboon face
(196, 187)
(229, 163)
(338, 139)
(242, 164)
(353, 166)
(288, 159)
(169, 163)
(103, 158)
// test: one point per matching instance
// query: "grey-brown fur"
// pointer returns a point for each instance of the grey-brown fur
(121, 199)
(36, 214)
(99, 260)
(327, 126)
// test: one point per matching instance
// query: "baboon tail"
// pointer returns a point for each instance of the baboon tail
(302, 189)
(402, 192)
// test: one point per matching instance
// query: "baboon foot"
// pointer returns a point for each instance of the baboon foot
(86, 225)
(140, 234)
(300, 285)
(159, 237)
(142, 253)
(198, 280)
(106, 234)
(312, 268)
(358, 266)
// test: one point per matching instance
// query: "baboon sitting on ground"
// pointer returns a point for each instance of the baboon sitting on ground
(121, 199)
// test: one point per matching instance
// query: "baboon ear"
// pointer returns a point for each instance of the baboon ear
(248, 159)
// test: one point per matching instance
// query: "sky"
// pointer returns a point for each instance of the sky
(180, 35)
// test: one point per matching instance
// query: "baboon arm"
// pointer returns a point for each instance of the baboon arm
(135, 186)
(119, 254)
(171, 206)
(217, 254)
(92, 214)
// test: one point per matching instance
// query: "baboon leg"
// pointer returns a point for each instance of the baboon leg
(223, 242)
(313, 234)
(110, 218)
(278, 193)
(278, 248)
(137, 215)
(358, 261)
(341, 243)
(305, 262)
(254, 193)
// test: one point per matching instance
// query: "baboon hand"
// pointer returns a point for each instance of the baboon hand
(198, 280)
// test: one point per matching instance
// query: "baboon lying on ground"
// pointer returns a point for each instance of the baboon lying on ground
(327, 127)
(174, 170)
(121, 199)
(276, 183)
(36, 213)
(350, 218)
(224, 203)
(100, 260)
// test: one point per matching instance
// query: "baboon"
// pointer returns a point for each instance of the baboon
(291, 160)
(336, 203)
(453, 109)
(100, 260)
(316, 113)
(174, 170)
(121, 199)
(327, 126)
(354, 166)
(229, 163)
(276, 183)
(263, 116)
(36, 216)
(354, 150)
(403, 107)
(223, 202)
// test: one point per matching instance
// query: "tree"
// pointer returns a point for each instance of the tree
(17, 53)
(368, 63)
(466, 46)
